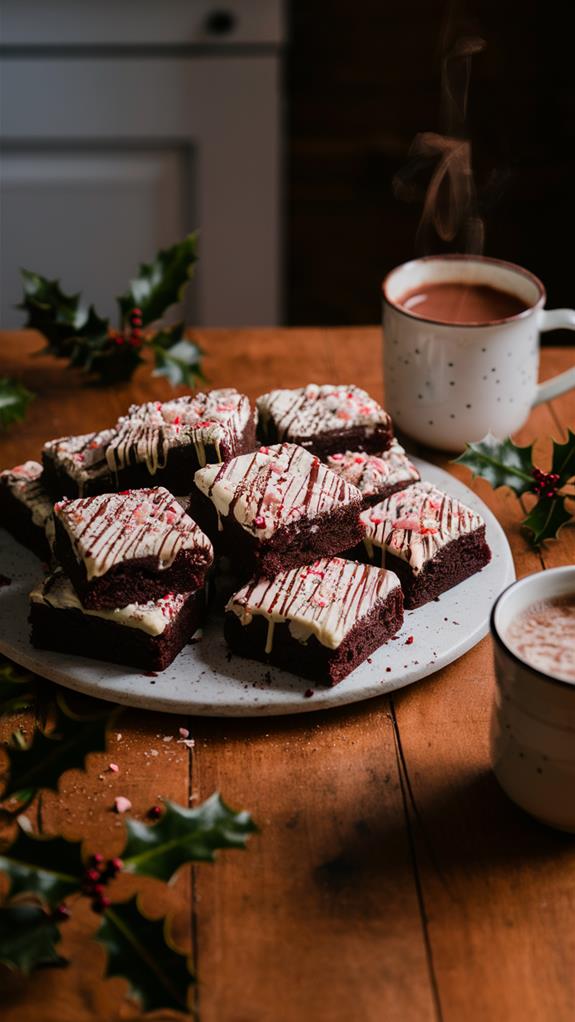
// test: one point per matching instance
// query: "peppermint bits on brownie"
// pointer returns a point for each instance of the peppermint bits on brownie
(130, 547)
(376, 476)
(324, 419)
(277, 508)
(429, 539)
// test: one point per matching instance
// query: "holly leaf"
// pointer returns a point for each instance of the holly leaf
(141, 950)
(184, 835)
(17, 689)
(564, 458)
(53, 313)
(49, 867)
(28, 938)
(40, 763)
(545, 519)
(160, 283)
(14, 400)
(500, 462)
(177, 358)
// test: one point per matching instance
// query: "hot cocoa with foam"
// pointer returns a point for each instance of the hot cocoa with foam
(543, 636)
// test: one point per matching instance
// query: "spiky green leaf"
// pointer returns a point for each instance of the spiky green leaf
(500, 462)
(48, 867)
(545, 519)
(41, 762)
(564, 458)
(14, 400)
(28, 938)
(177, 358)
(160, 283)
(184, 835)
(141, 950)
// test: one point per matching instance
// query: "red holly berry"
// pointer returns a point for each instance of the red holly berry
(61, 913)
(92, 876)
(545, 484)
(101, 903)
(96, 859)
(155, 812)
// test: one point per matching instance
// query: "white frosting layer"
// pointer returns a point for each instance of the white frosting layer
(153, 617)
(312, 410)
(24, 483)
(116, 528)
(148, 432)
(81, 457)
(371, 472)
(273, 487)
(417, 522)
(325, 599)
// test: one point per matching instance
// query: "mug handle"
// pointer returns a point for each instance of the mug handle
(556, 319)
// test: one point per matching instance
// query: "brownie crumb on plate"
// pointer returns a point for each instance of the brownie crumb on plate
(429, 539)
(319, 621)
(324, 419)
(276, 508)
(121, 548)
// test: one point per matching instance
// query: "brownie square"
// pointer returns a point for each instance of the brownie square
(164, 444)
(145, 635)
(325, 420)
(25, 507)
(319, 621)
(376, 476)
(430, 540)
(276, 508)
(132, 547)
(75, 466)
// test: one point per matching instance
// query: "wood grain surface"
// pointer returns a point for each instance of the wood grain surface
(391, 879)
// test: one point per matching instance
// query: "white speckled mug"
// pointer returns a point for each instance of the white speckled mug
(448, 383)
(533, 719)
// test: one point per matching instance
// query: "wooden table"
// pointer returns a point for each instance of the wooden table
(392, 880)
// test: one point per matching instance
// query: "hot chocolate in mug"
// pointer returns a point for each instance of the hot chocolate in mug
(450, 382)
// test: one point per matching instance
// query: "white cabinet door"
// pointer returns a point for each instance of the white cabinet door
(106, 158)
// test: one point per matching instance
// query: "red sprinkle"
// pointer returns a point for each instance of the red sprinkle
(309, 692)
(409, 640)
(259, 522)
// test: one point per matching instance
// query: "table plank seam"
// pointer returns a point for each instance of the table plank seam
(407, 798)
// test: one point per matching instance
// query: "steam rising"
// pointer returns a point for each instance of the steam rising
(450, 207)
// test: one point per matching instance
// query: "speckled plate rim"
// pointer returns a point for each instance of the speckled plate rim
(203, 680)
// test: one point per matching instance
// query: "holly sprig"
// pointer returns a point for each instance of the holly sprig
(503, 463)
(90, 343)
(48, 874)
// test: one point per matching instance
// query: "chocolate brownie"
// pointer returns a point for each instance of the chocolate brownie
(276, 508)
(319, 621)
(122, 548)
(376, 476)
(25, 507)
(146, 635)
(325, 420)
(75, 466)
(430, 540)
(163, 444)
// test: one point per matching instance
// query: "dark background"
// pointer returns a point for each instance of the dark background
(364, 78)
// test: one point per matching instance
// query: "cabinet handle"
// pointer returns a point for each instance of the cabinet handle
(220, 22)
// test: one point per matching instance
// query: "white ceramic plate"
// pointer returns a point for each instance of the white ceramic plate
(202, 680)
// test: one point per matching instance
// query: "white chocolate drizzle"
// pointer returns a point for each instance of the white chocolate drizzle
(149, 431)
(307, 411)
(115, 528)
(325, 599)
(153, 617)
(25, 484)
(273, 487)
(417, 522)
(371, 472)
(83, 458)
